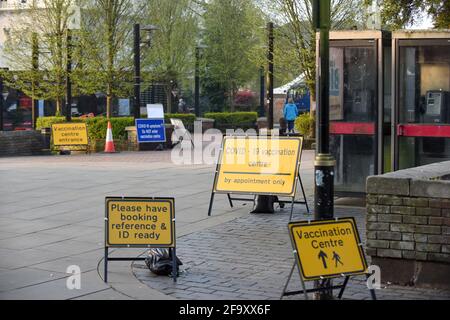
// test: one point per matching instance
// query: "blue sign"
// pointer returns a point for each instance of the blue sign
(150, 130)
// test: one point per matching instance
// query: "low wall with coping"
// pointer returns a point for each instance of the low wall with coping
(408, 225)
(22, 143)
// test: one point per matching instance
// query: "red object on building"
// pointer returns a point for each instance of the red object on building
(423, 130)
(360, 128)
(25, 102)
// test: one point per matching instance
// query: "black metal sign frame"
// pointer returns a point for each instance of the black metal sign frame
(325, 281)
(229, 194)
(171, 247)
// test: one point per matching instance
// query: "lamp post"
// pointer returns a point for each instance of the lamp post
(324, 162)
(270, 75)
(198, 49)
(4, 92)
(262, 81)
(35, 70)
(137, 71)
(197, 82)
(137, 66)
(264, 203)
(68, 74)
(73, 24)
(1, 105)
(2, 99)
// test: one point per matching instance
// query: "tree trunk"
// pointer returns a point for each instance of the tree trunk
(58, 108)
(169, 99)
(108, 106)
(231, 101)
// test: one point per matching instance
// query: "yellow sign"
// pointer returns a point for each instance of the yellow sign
(140, 222)
(259, 165)
(69, 134)
(327, 248)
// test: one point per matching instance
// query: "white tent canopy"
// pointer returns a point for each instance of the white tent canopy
(294, 83)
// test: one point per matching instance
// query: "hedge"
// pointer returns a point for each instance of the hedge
(97, 125)
(233, 120)
(46, 122)
(187, 118)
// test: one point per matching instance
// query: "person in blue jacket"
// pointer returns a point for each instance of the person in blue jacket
(290, 112)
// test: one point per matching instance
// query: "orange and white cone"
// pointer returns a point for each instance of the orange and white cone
(109, 145)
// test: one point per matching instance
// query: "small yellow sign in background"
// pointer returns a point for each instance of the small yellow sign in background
(69, 134)
(327, 248)
(259, 165)
(140, 222)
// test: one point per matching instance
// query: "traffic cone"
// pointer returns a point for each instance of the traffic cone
(109, 145)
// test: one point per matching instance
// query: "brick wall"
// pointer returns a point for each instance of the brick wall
(408, 224)
(21, 143)
(408, 227)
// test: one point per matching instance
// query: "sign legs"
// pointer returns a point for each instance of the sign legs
(105, 263)
(174, 264)
(372, 291)
(292, 208)
(211, 204)
(341, 292)
(229, 200)
(303, 192)
(287, 281)
(291, 293)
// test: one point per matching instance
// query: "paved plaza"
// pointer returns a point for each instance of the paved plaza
(52, 217)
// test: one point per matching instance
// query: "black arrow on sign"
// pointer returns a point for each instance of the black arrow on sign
(322, 255)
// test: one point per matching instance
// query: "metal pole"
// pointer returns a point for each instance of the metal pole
(261, 92)
(1, 104)
(324, 162)
(137, 72)
(68, 81)
(35, 67)
(270, 89)
(197, 83)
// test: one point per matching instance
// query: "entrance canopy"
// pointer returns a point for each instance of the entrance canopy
(300, 80)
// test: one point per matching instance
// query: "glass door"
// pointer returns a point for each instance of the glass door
(423, 128)
(353, 113)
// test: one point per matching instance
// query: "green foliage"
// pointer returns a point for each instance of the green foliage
(295, 39)
(232, 34)
(398, 14)
(187, 118)
(96, 126)
(46, 122)
(104, 49)
(169, 56)
(36, 46)
(233, 120)
(305, 124)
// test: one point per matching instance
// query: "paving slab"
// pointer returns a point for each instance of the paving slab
(52, 216)
(56, 218)
(250, 257)
(25, 277)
